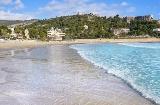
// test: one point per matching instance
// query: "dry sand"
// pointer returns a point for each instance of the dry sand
(31, 43)
(119, 40)
(28, 43)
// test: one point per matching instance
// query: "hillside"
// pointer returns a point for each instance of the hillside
(88, 26)
(74, 26)
(97, 27)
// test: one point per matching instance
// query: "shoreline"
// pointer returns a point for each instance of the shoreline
(79, 84)
(125, 82)
(32, 43)
(10, 46)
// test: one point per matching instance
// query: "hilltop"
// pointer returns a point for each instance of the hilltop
(17, 22)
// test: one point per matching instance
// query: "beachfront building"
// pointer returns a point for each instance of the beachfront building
(115, 31)
(55, 34)
(125, 30)
(120, 31)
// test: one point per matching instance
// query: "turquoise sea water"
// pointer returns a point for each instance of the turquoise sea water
(136, 63)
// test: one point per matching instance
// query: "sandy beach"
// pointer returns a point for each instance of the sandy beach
(57, 75)
(120, 40)
(32, 43)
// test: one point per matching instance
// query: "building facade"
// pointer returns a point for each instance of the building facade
(55, 34)
(115, 31)
(125, 30)
(120, 31)
(145, 17)
(128, 19)
(26, 33)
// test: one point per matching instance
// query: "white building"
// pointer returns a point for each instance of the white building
(125, 30)
(120, 31)
(156, 29)
(55, 34)
(79, 13)
(26, 32)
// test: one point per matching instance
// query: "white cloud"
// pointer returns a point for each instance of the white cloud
(124, 4)
(130, 9)
(5, 2)
(14, 16)
(19, 4)
(70, 7)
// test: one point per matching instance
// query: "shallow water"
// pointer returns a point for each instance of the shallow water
(136, 63)
(57, 75)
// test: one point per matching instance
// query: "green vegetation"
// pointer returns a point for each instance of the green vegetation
(138, 27)
(98, 27)
(4, 31)
(73, 26)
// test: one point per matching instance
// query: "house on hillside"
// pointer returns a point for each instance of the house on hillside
(129, 18)
(55, 34)
(119, 31)
(145, 17)
(156, 29)
(125, 30)
(115, 31)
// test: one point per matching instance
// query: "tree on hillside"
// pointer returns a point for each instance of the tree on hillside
(33, 33)
(4, 31)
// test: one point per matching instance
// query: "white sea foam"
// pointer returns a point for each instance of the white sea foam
(143, 45)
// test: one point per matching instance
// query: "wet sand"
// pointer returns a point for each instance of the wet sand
(57, 75)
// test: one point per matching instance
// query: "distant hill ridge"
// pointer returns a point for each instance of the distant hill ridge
(17, 22)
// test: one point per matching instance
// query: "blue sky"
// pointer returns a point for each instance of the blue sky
(41, 9)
